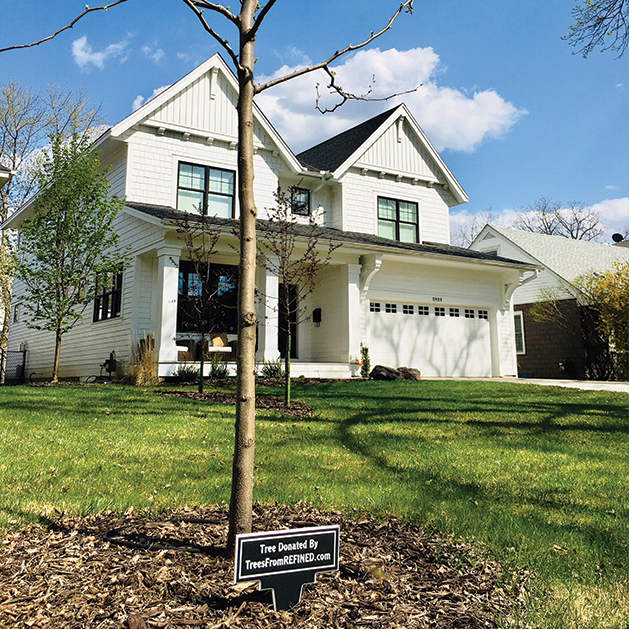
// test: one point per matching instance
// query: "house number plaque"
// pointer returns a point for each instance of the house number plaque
(284, 561)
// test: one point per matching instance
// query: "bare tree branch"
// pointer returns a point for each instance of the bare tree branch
(345, 96)
(406, 6)
(208, 29)
(65, 28)
(217, 8)
(258, 21)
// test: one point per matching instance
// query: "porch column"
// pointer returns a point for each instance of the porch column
(269, 317)
(353, 311)
(168, 289)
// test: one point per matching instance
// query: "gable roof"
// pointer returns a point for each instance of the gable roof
(342, 151)
(330, 154)
(565, 257)
(214, 63)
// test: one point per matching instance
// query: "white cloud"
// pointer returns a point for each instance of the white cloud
(154, 55)
(612, 187)
(450, 117)
(140, 100)
(615, 214)
(85, 57)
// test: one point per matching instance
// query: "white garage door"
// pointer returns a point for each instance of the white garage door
(437, 340)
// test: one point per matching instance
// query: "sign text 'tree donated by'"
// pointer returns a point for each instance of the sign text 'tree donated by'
(285, 560)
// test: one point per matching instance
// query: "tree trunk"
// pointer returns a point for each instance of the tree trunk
(287, 370)
(241, 502)
(55, 366)
(200, 381)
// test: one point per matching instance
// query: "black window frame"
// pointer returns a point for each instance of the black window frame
(108, 298)
(206, 186)
(423, 311)
(296, 207)
(440, 311)
(397, 221)
(374, 306)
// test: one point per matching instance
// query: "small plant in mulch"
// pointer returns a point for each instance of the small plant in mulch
(143, 572)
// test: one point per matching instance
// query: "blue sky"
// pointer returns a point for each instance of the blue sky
(513, 112)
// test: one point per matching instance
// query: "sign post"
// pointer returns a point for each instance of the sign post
(283, 561)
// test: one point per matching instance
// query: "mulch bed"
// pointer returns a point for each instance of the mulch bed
(265, 402)
(139, 572)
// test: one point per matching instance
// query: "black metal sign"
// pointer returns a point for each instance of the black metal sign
(283, 561)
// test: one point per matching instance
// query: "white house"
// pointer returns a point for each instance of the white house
(547, 350)
(395, 284)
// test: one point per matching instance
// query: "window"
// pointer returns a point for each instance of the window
(483, 314)
(374, 306)
(440, 311)
(16, 313)
(108, 297)
(518, 320)
(390, 308)
(423, 310)
(469, 313)
(300, 201)
(408, 309)
(454, 312)
(205, 190)
(215, 310)
(398, 220)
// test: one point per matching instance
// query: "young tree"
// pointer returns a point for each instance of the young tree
(201, 306)
(293, 253)
(247, 23)
(68, 248)
(27, 120)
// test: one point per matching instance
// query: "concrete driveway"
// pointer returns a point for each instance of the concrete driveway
(586, 385)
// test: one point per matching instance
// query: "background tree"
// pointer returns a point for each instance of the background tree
(68, 248)
(27, 120)
(200, 235)
(247, 23)
(545, 216)
(577, 221)
(295, 254)
(599, 23)
(601, 323)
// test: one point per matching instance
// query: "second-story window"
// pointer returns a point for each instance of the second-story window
(205, 190)
(398, 220)
(300, 201)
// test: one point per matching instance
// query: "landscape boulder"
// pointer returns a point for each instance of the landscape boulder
(380, 372)
(410, 373)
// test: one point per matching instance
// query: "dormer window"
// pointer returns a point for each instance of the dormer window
(398, 220)
(205, 190)
(300, 201)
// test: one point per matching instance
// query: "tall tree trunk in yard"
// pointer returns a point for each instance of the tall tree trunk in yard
(240, 511)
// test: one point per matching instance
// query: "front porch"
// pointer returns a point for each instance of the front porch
(326, 347)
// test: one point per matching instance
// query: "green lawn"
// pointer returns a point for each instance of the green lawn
(538, 474)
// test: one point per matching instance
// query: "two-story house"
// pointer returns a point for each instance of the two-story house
(395, 284)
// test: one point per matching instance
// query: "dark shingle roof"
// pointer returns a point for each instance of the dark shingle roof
(344, 237)
(329, 155)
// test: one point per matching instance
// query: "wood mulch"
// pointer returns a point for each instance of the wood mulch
(139, 572)
(265, 402)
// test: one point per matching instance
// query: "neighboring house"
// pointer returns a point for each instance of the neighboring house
(384, 193)
(548, 350)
